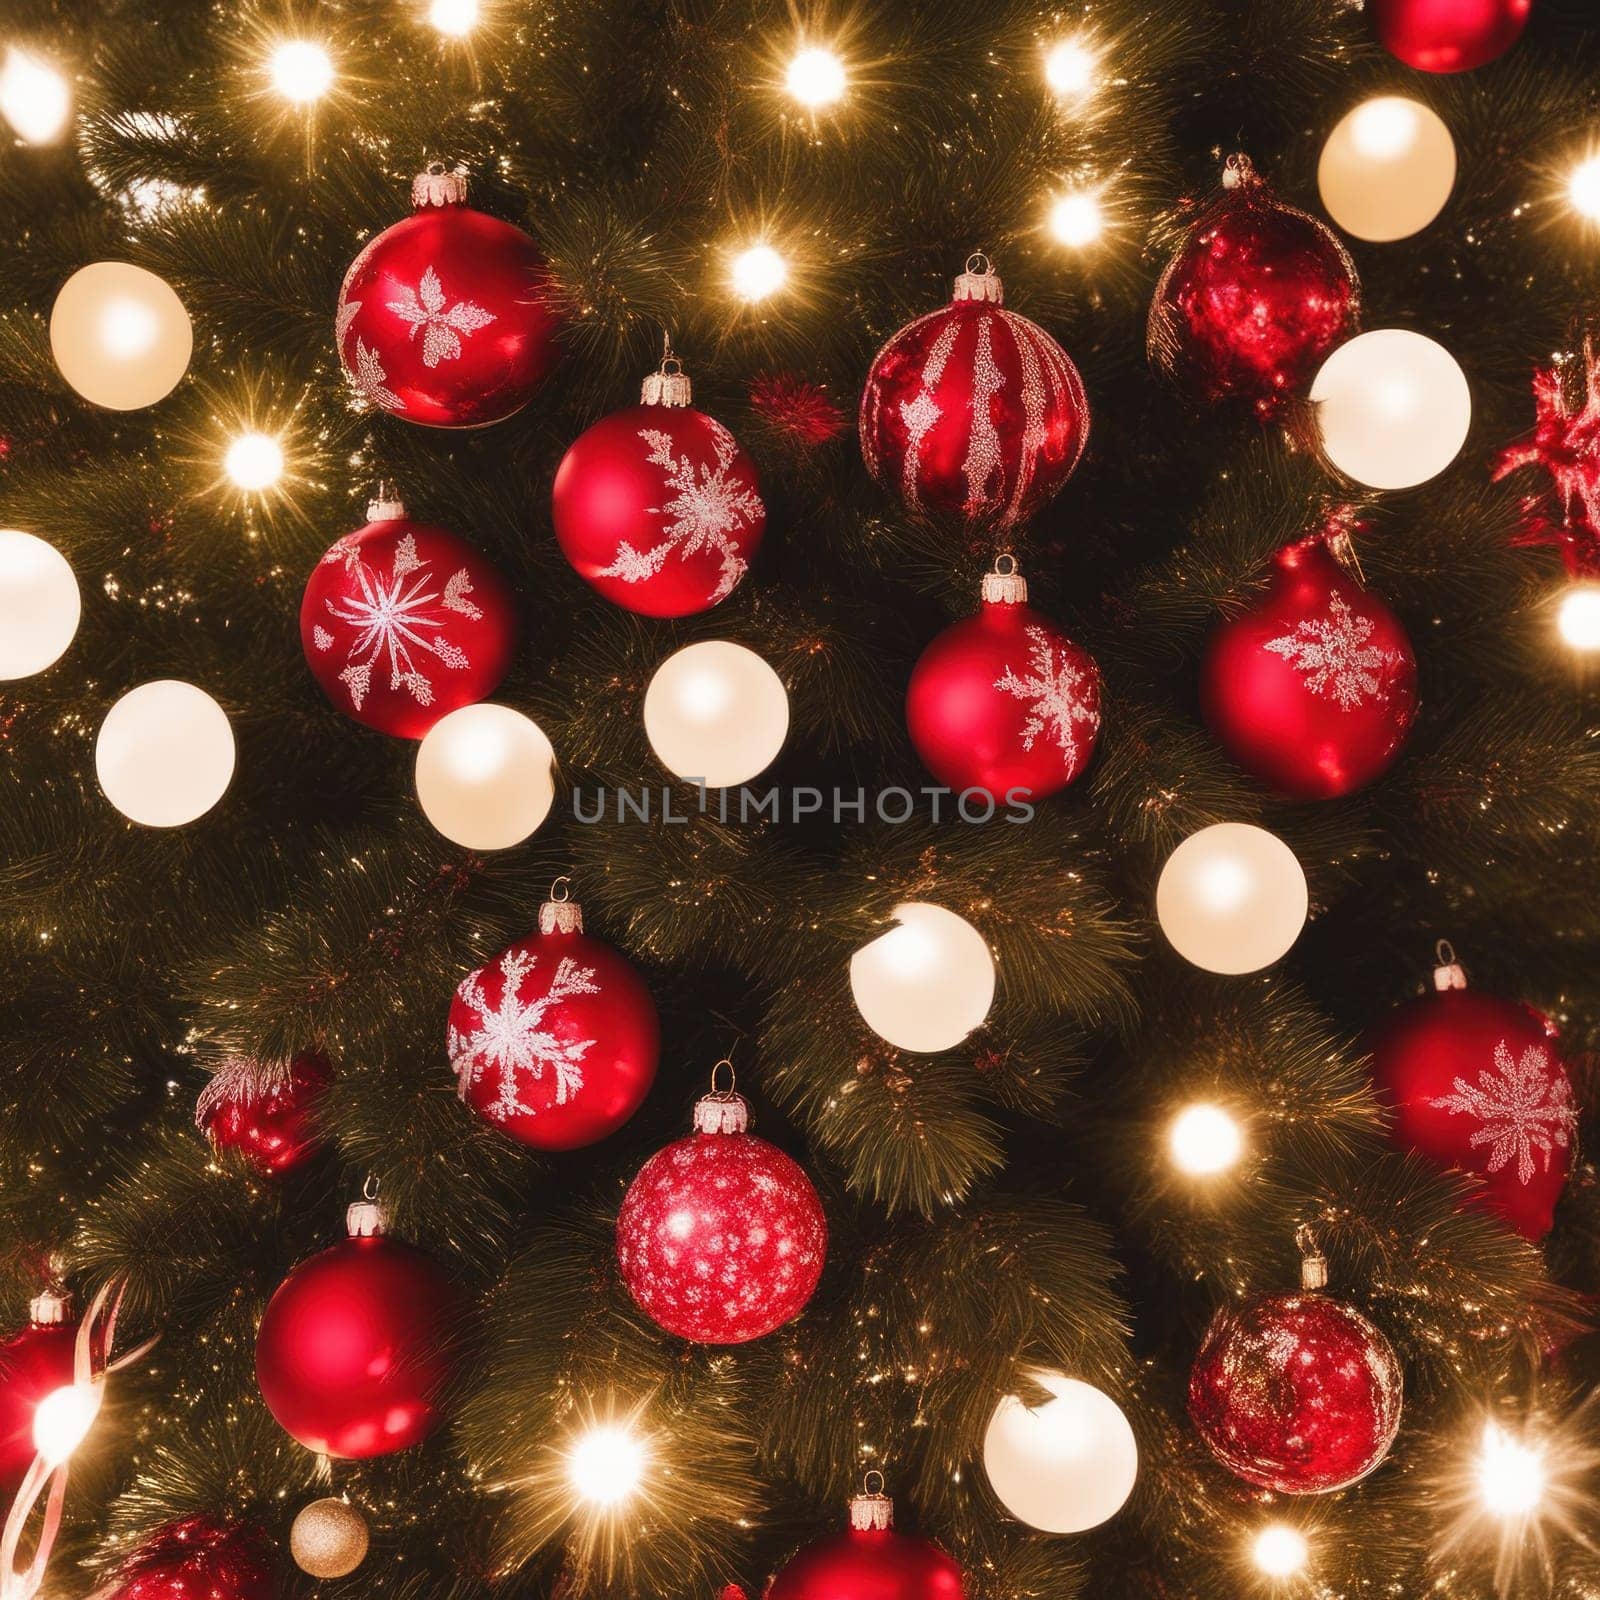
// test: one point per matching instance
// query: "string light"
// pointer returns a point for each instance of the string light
(606, 1465)
(62, 1420)
(758, 272)
(301, 71)
(1583, 188)
(34, 97)
(1578, 617)
(1510, 1474)
(1069, 68)
(1204, 1140)
(454, 18)
(816, 78)
(1076, 219)
(1280, 1551)
(254, 461)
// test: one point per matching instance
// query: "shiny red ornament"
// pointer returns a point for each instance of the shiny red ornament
(556, 1040)
(973, 413)
(1477, 1083)
(35, 1361)
(1004, 702)
(199, 1558)
(266, 1115)
(1296, 1392)
(1449, 35)
(658, 507)
(1253, 299)
(355, 1346)
(402, 622)
(869, 1561)
(1314, 688)
(721, 1237)
(446, 318)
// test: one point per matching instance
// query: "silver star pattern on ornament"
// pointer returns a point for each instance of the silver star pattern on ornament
(1055, 692)
(1332, 653)
(1524, 1105)
(442, 324)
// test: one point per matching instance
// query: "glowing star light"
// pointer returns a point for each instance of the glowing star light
(1279, 1551)
(454, 18)
(1076, 219)
(34, 97)
(1204, 1140)
(1583, 189)
(1510, 1474)
(1578, 617)
(606, 1465)
(758, 272)
(301, 71)
(254, 461)
(816, 78)
(1069, 69)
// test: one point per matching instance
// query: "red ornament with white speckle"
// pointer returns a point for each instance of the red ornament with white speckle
(199, 1558)
(266, 1115)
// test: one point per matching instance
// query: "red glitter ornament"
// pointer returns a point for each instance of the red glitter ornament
(35, 1361)
(1448, 35)
(355, 1345)
(1296, 1392)
(721, 1237)
(973, 412)
(797, 409)
(869, 1561)
(658, 507)
(402, 622)
(1253, 299)
(446, 318)
(1476, 1082)
(555, 1041)
(1004, 701)
(265, 1114)
(199, 1558)
(1314, 688)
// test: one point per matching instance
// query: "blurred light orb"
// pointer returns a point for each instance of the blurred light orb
(1393, 408)
(1069, 68)
(716, 714)
(455, 19)
(926, 983)
(606, 1465)
(486, 776)
(1577, 618)
(1280, 1551)
(254, 461)
(1204, 1140)
(1509, 1473)
(1066, 1465)
(165, 753)
(301, 71)
(1583, 189)
(1232, 898)
(1387, 169)
(758, 272)
(39, 604)
(816, 78)
(62, 1420)
(120, 335)
(1076, 219)
(34, 98)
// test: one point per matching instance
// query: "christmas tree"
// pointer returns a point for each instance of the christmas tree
(1066, 711)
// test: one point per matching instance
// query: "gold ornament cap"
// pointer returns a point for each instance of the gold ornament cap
(1313, 1264)
(386, 504)
(561, 913)
(723, 1110)
(669, 384)
(871, 1511)
(1448, 973)
(439, 185)
(1004, 586)
(50, 1307)
(980, 281)
(367, 1218)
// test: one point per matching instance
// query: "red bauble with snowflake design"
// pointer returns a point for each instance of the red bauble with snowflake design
(1477, 1083)
(555, 1041)
(658, 507)
(267, 1114)
(868, 1560)
(973, 413)
(35, 1361)
(1004, 701)
(446, 318)
(402, 622)
(721, 1237)
(199, 1558)
(1449, 35)
(1314, 688)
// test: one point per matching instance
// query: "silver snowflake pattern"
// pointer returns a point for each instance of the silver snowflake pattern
(708, 509)
(1056, 692)
(398, 618)
(514, 1038)
(1334, 656)
(1524, 1105)
(922, 412)
(371, 379)
(442, 324)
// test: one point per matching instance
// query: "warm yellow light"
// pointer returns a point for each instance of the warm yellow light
(1583, 189)
(1510, 1474)
(759, 272)
(254, 461)
(34, 97)
(606, 1465)
(1069, 68)
(1076, 219)
(1578, 618)
(454, 18)
(1280, 1551)
(62, 1420)
(1204, 1140)
(816, 78)
(301, 71)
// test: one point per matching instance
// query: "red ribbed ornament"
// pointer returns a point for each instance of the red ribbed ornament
(869, 1560)
(1449, 35)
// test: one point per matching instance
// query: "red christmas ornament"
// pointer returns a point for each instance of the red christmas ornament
(973, 412)
(1004, 701)
(1476, 1082)
(198, 1558)
(797, 410)
(266, 1115)
(1253, 299)
(721, 1237)
(34, 1362)
(657, 506)
(446, 318)
(1296, 1392)
(555, 1041)
(402, 622)
(355, 1345)
(868, 1561)
(1314, 688)
(1449, 35)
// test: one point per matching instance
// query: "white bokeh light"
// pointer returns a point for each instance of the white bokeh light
(1069, 68)
(1232, 898)
(1577, 617)
(455, 19)
(165, 753)
(301, 71)
(716, 713)
(485, 776)
(1583, 188)
(1280, 1551)
(39, 604)
(120, 335)
(1510, 1474)
(816, 78)
(254, 461)
(1387, 169)
(1204, 1140)
(62, 1420)
(926, 983)
(1077, 219)
(606, 1465)
(758, 271)
(34, 98)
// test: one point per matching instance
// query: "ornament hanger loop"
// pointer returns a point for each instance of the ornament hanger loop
(561, 889)
(1237, 169)
(438, 168)
(1005, 565)
(1305, 1241)
(1444, 953)
(723, 1094)
(369, 1188)
(980, 263)
(866, 1482)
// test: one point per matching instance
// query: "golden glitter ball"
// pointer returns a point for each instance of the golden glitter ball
(329, 1539)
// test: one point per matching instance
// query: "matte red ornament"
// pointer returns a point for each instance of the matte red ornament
(402, 622)
(1314, 688)
(1477, 1083)
(556, 1040)
(973, 413)
(199, 1558)
(869, 1561)
(446, 318)
(1296, 1392)
(1449, 35)
(1253, 299)
(658, 507)
(1004, 701)
(355, 1346)
(721, 1237)
(264, 1113)
(35, 1361)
